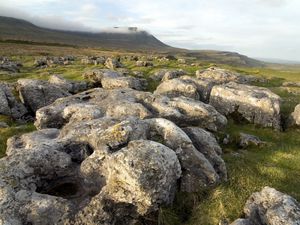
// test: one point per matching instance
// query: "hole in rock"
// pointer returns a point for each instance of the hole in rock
(68, 188)
(78, 151)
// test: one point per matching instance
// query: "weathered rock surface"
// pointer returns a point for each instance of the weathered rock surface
(206, 143)
(109, 79)
(36, 94)
(53, 60)
(255, 104)
(143, 63)
(178, 87)
(122, 103)
(204, 86)
(99, 171)
(270, 207)
(166, 74)
(72, 87)
(291, 84)
(9, 66)
(221, 76)
(93, 60)
(9, 105)
(295, 117)
(112, 64)
(173, 74)
(246, 140)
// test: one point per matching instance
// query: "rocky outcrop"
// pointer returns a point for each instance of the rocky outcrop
(255, 104)
(270, 207)
(178, 87)
(172, 74)
(9, 105)
(72, 87)
(112, 64)
(207, 144)
(9, 66)
(36, 94)
(221, 76)
(109, 79)
(93, 60)
(102, 170)
(123, 103)
(204, 87)
(53, 60)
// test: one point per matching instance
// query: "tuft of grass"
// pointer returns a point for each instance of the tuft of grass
(6, 133)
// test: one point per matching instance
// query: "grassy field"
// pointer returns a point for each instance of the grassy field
(276, 164)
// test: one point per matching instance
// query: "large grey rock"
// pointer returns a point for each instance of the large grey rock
(295, 116)
(222, 76)
(206, 143)
(197, 171)
(58, 175)
(36, 94)
(171, 74)
(166, 74)
(270, 207)
(204, 87)
(9, 66)
(122, 103)
(109, 79)
(255, 104)
(144, 174)
(112, 64)
(9, 105)
(72, 87)
(93, 60)
(178, 87)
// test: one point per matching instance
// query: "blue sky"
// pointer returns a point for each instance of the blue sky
(257, 28)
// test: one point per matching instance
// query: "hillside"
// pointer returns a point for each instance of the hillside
(16, 29)
(23, 32)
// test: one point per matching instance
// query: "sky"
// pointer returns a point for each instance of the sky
(256, 28)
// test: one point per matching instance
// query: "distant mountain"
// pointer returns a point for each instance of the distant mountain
(279, 61)
(21, 30)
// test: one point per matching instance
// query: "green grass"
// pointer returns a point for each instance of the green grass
(276, 165)
(15, 129)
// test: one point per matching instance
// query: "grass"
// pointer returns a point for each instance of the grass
(15, 129)
(276, 164)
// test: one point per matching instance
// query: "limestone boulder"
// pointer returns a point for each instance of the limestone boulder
(178, 87)
(123, 103)
(254, 104)
(9, 105)
(72, 87)
(295, 117)
(270, 207)
(221, 76)
(112, 63)
(206, 143)
(36, 94)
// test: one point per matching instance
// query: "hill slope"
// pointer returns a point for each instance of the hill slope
(16, 29)
(23, 32)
